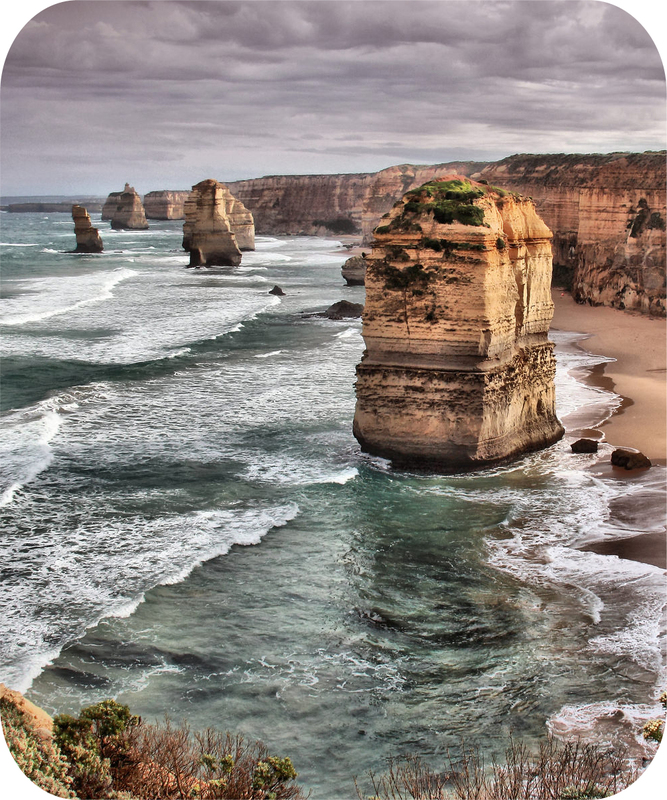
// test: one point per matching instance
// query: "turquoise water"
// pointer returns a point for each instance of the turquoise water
(190, 527)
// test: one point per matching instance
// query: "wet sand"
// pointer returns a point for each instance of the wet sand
(638, 374)
(638, 344)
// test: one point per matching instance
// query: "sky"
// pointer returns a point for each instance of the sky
(164, 94)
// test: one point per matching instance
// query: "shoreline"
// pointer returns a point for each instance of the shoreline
(637, 344)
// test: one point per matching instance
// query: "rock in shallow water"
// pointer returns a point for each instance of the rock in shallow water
(629, 459)
(584, 446)
(343, 309)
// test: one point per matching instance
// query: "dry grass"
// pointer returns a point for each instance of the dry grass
(558, 771)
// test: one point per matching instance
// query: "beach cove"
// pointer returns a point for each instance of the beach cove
(192, 529)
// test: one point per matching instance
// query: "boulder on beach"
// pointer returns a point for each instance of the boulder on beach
(585, 446)
(629, 459)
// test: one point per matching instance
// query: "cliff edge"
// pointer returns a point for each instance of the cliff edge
(458, 370)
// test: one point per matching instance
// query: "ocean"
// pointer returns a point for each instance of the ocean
(190, 527)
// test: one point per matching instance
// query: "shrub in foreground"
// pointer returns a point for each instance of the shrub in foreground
(569, 771)
(113, 754)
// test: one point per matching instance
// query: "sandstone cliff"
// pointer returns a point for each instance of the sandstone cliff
(607, 213)
(88, 239)
(334, 204)
(165, 204)
(207, 232)
(458, 371)
(607, 243)
(129, 210)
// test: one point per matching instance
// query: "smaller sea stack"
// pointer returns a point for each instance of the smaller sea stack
(129, 210)
(88, 239)
(207, 232)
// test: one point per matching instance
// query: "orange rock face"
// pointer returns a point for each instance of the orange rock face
(208, 234)
(88, 239)
(458, 370)
(604, 242)
(165, 204)
(608, 216)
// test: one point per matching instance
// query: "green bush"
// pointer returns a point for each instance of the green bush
(42, 761)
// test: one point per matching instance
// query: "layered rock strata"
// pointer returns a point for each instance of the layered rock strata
(207, 231)
(607, 213)
(129, 211)
(354, 271)
(608, 216)
(165, 204)
(88, 239)
(458, 371)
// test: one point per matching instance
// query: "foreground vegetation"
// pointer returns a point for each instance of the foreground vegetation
(107, 752)
(570, 771)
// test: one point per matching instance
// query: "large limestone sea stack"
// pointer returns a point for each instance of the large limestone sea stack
(125, 210)
(217, 226)
(458, 371)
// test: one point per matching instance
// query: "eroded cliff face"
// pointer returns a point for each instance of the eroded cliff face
(334, 204)
(165, 204)
(458, 371)
(607, 213)
(207, 231)
(590, 202)
(88, 239)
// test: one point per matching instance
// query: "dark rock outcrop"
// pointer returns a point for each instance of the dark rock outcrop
(344, 309)
(629, 459)
(354, 271)
(128, 213)
(277, 291)
(458, 370)
(207, 231)
(88, 239)
(584, 446)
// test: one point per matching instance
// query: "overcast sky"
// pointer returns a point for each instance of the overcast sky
(164, 94)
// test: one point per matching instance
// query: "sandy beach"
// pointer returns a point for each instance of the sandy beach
(638, 345)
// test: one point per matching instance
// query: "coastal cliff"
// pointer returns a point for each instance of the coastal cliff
(207, 231)
(334, 204)
(458, 371)
(606, 212)
(165, 204)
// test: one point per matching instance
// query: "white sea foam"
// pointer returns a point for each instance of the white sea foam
(102, 568)
(56, 296)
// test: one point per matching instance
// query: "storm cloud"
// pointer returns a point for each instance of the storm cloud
(163, 94)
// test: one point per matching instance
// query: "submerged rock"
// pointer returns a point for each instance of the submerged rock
(584, 446)
(354, 271)
(458, 370)
(88, 239)
(129, 211)
(343, 309)
(630, 459)
(217, 227)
